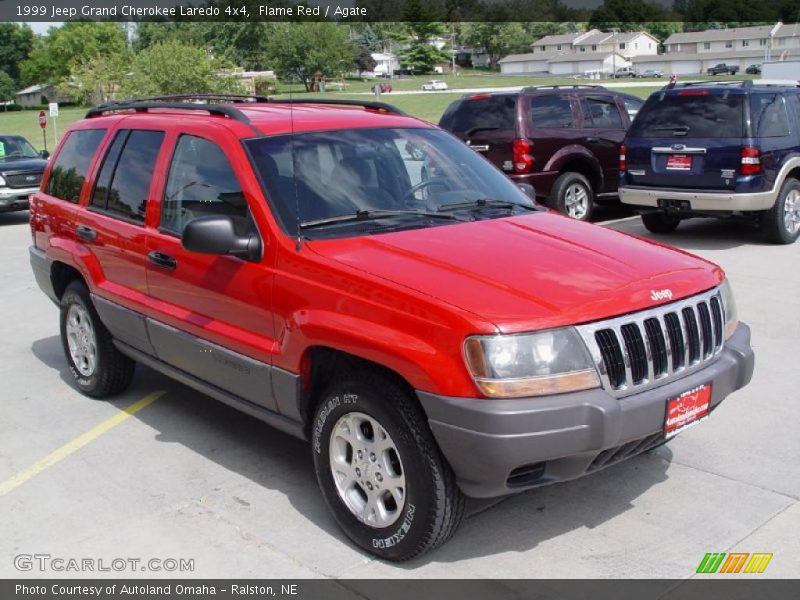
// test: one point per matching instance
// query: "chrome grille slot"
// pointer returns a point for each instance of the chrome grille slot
(637, 354)
(637, 351)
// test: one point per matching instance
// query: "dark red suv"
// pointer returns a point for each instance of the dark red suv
(432, 338)
(563, 140)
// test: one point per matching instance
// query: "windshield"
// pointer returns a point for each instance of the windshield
(691, 114)
(14, 147)
(399, 178)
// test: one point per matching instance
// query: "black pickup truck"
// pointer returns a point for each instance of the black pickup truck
(722, 68)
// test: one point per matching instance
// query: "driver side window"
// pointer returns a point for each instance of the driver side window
(201, 182)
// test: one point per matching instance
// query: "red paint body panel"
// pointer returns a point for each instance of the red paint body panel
(405, 300)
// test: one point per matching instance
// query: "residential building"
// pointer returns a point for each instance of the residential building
(39, 94)
(694, 52)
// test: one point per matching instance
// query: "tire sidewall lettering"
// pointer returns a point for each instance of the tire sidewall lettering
(322, 418)
(400, 533)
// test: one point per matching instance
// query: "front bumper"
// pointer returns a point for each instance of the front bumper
(15, 198)
(699, 200)
(498, 447)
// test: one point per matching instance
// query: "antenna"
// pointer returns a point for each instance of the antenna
(298, 242)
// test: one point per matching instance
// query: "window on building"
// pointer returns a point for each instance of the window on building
(594, 48)
(72, 163)
(729, 44)
(706, 45)
(745, 43)
(583, 48)
(762, 42)
(622, 45)
(636, 46)
(542, 48)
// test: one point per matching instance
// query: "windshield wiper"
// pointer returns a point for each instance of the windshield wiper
(485, 203)
(366, 215)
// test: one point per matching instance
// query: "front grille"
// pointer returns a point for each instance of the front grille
(23, 180)
(643, 349)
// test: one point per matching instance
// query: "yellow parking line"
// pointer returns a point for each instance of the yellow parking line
(76, 444)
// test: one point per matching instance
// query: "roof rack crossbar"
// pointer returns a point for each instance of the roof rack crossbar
(564, 86)
(379, 106)
(143, 106)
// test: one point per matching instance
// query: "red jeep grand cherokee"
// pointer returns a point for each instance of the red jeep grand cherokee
(433, 338)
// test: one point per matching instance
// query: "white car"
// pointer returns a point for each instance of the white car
(434, 85)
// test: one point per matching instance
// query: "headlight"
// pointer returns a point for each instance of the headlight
(2, 181)
(531, 364)
(731, 314)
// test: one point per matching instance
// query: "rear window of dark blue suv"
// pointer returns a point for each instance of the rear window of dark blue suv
(692, 114)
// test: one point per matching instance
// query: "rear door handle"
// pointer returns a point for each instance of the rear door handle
(86, 233)
(592, 140)
(162, 260)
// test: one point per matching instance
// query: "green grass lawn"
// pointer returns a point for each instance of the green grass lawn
(428, 106)
(26, 124)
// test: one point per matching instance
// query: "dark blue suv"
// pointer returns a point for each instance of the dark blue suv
(717, 150)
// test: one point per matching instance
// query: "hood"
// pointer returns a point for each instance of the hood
(529, 272)
(22, 164)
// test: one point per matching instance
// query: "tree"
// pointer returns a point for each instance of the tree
(16, 43)
(98, 79)
(56, 54)
(497, 39)
(364, 60)
(619, 14)
(174, 67)
(7, 88)
(304, 51)
(420, 55)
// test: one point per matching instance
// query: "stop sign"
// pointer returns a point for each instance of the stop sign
(42, 119)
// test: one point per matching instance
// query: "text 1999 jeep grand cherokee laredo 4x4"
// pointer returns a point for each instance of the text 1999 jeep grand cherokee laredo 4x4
(432, 338)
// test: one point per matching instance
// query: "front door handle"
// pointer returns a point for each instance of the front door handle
(86, 233)
(162, 260)
(592, 140)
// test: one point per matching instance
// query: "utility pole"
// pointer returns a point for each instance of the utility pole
(453, 47)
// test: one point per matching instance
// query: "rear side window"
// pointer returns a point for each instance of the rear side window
(551, 111)
(127, 170)
(632, 106)
(201, 182)
(693, 115)
(70, 166)
(601, 112)
(768, 115)
(484, 114)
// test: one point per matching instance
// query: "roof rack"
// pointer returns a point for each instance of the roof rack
(379, 106)
(200, 102)
(566, 86)
(740, 82)
(145, 105)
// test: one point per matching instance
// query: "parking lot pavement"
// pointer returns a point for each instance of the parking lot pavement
(187, 477)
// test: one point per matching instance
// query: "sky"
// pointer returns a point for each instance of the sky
(43, 27)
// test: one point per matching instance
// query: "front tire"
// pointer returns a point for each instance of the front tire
(659, 222)
(572, 195)
(380, 470)
(99, 369)
(781, 223)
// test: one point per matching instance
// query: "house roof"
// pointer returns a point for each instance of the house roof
(32, 89)
(734, 33)
(598, 37)
(564, 38)
(530, 56)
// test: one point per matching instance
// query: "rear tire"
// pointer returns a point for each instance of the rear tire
(380, 471)
(781, 223)
(99, 369)
(660, 222)
(572, 195)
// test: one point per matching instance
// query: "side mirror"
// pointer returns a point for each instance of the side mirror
(44, 154)
(528, 190)
(219, 235)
